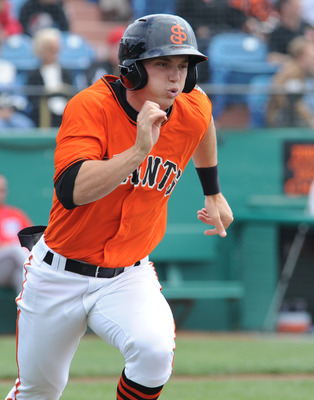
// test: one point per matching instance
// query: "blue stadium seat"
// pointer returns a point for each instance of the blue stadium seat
(16, 5)
(145, 7)
(18, 49)
(309, 95)
(235, 58)
(257, 100)
(76, 53)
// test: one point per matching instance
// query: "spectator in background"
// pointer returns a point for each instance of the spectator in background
(12, 103)
(207, 18)
(10, 117)
(12, 255)
(52, 78)
(211, 17)
(9, 25)
(39, 14)
(108, 64)
(259, 9)
(258, 16)
(290, 26)
(291, 108)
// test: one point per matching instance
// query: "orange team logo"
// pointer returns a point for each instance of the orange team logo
(179, 36)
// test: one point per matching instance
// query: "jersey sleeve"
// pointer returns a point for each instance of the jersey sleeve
(203, 105)
(83, 134)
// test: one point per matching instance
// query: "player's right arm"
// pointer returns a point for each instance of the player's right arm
(216, 211)
(97, 178)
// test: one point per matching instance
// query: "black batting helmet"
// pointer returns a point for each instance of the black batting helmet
(153, 36)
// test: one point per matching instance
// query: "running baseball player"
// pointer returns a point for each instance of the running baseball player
(121, 149)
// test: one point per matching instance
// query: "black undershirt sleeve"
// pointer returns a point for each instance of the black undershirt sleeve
(65, 185)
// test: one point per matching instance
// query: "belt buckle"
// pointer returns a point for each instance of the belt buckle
(97, 272)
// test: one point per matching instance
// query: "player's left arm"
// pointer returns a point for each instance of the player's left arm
(216, 211)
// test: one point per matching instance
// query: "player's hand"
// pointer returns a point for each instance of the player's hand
(149, 121)
(216, 213)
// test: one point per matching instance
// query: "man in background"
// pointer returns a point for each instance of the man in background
(12, 255)
(39, 14)
(291, 25)
(294, 107)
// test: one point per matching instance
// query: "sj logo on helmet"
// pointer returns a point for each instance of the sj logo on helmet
(179, 36)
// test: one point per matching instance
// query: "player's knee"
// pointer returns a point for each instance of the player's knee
(150, 361)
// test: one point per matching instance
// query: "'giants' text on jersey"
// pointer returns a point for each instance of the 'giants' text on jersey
(158, 173)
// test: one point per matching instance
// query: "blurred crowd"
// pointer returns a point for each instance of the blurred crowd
(43, 62)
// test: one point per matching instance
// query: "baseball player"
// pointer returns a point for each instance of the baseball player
(121, 149)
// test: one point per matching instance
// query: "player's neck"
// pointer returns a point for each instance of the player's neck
(134, 100)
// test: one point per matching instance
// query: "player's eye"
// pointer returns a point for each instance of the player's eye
(161, 63)
(184, 66)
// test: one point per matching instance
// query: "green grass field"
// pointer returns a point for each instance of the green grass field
(207, 366)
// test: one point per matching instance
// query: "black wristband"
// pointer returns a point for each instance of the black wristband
(209, 180)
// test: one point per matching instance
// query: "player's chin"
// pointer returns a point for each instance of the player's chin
(166, 103)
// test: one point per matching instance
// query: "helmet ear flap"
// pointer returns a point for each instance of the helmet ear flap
(133, 76)
(191, 78)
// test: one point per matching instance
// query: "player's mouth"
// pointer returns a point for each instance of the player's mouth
(173, 92)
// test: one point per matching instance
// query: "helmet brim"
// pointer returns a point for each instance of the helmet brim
(195, 55)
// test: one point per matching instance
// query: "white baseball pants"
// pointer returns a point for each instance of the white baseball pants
(55, 306)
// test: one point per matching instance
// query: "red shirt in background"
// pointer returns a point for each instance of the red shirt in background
(12, 220)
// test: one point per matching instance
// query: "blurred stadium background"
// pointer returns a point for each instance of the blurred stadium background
(260, 278)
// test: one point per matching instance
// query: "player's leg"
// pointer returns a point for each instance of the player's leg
(51, 321)
(135, 317)
(128, 389)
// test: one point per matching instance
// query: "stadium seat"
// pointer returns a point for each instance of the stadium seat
(257, 100)
(140, 8)
(235, 58)
(309, 94)
(76, 53)
(16, 5)
(18, 49)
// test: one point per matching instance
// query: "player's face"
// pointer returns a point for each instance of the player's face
(166, 79)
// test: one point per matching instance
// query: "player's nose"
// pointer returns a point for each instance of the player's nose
(174, 74)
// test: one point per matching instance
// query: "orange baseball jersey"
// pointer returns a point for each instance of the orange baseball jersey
(127, 224)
